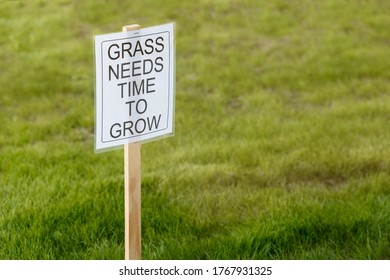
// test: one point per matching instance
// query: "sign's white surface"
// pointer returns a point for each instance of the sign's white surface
(134, 86)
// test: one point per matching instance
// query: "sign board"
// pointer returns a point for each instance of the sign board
(134, 86)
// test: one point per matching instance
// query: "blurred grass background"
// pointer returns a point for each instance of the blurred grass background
(281, 146)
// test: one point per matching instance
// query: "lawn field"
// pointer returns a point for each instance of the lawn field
(282, 135)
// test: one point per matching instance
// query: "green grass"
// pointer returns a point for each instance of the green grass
(281, 146)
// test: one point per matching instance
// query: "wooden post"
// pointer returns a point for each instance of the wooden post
(132, 165)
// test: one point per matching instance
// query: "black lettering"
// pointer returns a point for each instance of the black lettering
(140, 89)
(126, 47)
(138, 48)
(121, 85)
(161, 66)
(137, 107)
(150, 69)
(117, 131)
(149, 84)
(136, 68)
(140, 106)
(142, 129)
(153, 121)
(149, 46)
(111, 70)
(127, 126)
(130, 102)
(159, 44)
(124, 70)
(115, 53)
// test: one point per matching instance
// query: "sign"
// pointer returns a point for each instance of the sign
(134, 86)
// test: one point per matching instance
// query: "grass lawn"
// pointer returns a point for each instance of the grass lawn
(281, 146)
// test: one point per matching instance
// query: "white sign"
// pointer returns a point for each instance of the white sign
(134, 90)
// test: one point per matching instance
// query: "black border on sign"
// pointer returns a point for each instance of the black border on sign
(169, 85)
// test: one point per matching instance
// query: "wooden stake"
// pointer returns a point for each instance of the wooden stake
(132, 162)
(132, 201)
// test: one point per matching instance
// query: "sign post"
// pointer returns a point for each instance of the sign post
(134, 103)
(132, 172)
